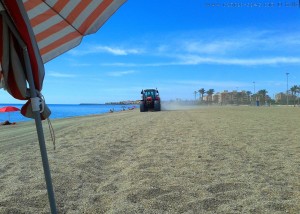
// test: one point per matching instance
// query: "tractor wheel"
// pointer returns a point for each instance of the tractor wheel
(156, 105)
(142, 107)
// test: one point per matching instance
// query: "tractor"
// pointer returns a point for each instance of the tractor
(150, 100)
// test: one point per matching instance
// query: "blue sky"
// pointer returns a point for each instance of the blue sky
(179, 47)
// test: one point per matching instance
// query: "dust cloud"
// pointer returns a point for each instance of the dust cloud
(174, 106)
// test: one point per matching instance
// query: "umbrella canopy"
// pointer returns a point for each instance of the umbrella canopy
(9, 109)
(32, 32)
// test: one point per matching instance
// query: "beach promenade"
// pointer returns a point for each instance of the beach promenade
(202, 160)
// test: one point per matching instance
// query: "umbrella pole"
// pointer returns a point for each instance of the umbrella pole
(39, 127)
(36, 113)
(46, 167)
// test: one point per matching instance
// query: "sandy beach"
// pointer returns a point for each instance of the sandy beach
(203, 160)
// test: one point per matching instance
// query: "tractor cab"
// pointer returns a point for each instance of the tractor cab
(150, 93)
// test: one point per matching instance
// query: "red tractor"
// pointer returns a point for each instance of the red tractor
(150, 100)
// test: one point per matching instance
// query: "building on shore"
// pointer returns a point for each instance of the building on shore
(226, 97)
(282, 98)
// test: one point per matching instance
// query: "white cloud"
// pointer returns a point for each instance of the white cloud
(81, 64)
(118, 51)
(105, 49)
(214, 47)
(60, 75)
(120, 73)
(238, 46)
(196, 60)
(231, 41)
(120, 64)
(222, 84)
(246, 47)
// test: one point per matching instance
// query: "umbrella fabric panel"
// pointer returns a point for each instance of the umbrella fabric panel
(18, 15)
(59, 25)
(14, 80)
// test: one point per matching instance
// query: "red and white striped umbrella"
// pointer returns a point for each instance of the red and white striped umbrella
(60, 25)
(32, 32)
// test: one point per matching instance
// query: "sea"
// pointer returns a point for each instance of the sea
(65, 111)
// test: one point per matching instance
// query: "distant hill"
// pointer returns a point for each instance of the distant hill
(128, 102)
(90, 104)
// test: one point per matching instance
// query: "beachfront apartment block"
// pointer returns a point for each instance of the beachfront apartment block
(234, 97)
(245, 98)
(282, 98)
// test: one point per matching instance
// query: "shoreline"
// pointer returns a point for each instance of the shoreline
(66, 111)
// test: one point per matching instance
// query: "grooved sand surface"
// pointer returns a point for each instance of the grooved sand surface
(205, 160)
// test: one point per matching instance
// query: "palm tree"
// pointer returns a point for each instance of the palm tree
(195, 92)
(209, 93)
(202, 92)
(255, 97)
(263, 94)
(294, 91)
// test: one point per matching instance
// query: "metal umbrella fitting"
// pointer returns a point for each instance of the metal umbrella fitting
(32, 33)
